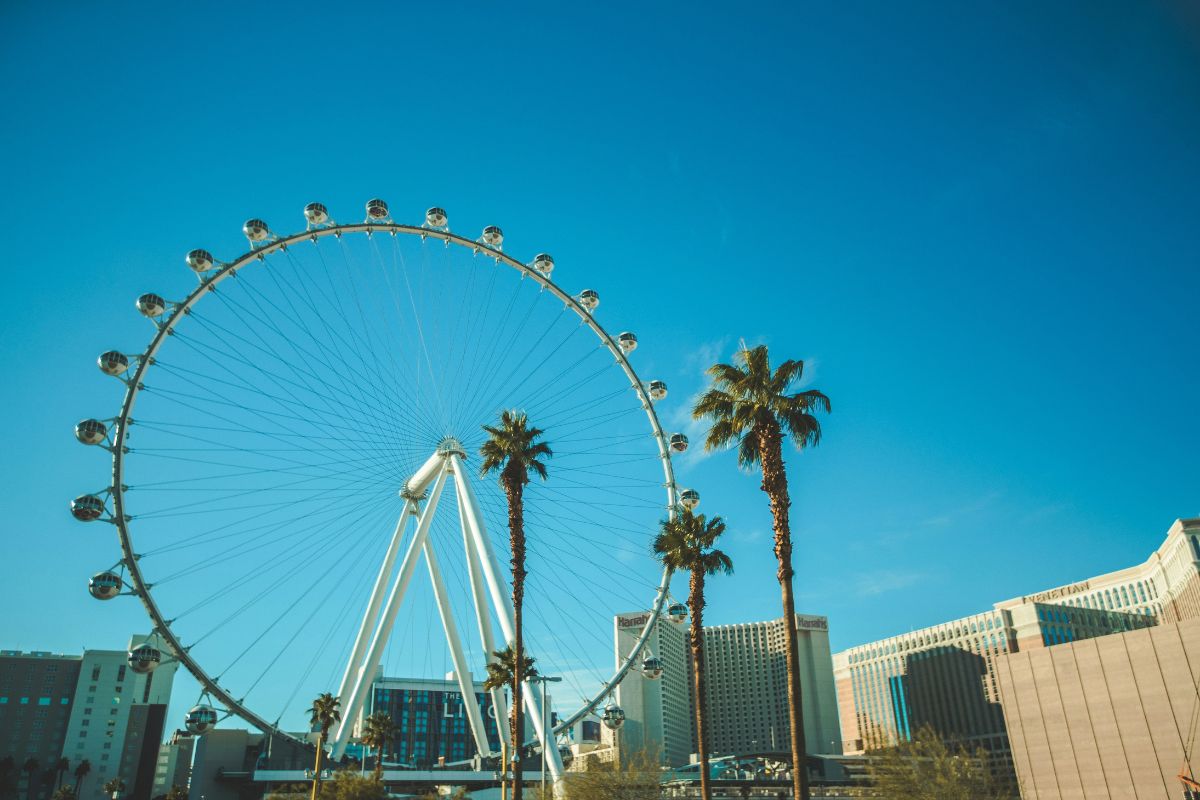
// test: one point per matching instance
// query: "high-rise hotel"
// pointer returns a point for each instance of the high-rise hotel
(944, 676)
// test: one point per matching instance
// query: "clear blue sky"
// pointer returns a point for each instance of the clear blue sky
(979, 224)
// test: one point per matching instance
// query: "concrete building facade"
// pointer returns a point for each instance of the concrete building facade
(658, 713)
(37, 691)
(174, 764)
(90, 707)
(1111, 717)
(945, 675)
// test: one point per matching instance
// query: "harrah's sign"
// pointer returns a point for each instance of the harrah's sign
(633, 622)
(812, 623)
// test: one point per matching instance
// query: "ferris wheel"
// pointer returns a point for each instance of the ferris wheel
(307, 429)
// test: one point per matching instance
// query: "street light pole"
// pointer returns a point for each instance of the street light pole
(546, 726)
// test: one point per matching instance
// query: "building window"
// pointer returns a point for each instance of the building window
(65, 701)
(95, 674)
(43, 701)
(120, 673)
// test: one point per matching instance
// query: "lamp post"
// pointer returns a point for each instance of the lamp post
(546, 726)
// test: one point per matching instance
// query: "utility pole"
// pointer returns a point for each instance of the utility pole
(547, 737)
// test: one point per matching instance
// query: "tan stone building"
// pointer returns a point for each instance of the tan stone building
(1113, 717)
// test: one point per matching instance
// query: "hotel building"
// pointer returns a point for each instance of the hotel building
(431, 721)
(745, 689)
(945, 675)
(91, 707)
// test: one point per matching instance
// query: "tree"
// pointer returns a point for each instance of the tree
(500, 671)
(927, 769)
(378, 732)
(63, 793)
(637, 777)
(114, 786)
(9, 777)
(82, 769)
(30, 768)
(687, 542)
(752, 406)
(325, 711)
(177, 792)
(62, 767)
(512, 448)
(347, 785)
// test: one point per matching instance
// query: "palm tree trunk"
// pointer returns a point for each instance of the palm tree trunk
(696, 606)
(515, 489)
(774, 483)
(316, 782)
(379, 763)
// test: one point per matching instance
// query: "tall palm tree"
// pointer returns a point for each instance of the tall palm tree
(512, 449)
(378, 732)
(325, 711)
(752, 406)
(114, 786)
(30, 768)
(62, 768)
(687, 542)
(82, 769)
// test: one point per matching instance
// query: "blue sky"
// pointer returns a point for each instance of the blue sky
(977, 224)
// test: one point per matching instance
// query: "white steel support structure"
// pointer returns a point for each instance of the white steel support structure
(487, 583)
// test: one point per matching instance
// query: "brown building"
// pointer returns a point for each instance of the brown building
(1111, 717)
(36, 694)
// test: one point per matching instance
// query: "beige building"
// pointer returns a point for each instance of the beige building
(1113, 717)
(945, 675)
(658, 713)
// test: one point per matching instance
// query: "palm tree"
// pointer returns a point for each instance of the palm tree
(378, 732)
(81, 772)
(686, 541)
(512, 449)
(751, 406)
(325, 711)
(30, 768)
(115, 786)
(62, 793)
(62, 768)
(499, 675)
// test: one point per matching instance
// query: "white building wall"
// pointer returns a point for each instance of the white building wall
(99, 722)
(658, 714)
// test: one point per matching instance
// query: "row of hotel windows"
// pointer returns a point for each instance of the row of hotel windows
(1122, 597)
(41, 701)
(927, 639)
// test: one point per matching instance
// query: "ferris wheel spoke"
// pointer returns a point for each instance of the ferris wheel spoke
(292, 535)
(355, 391)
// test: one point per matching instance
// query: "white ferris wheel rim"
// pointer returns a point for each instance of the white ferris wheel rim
(176, 311)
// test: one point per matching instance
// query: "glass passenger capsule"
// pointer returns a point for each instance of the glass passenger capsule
(200, 720)
(613, 716)
(543, 263)
(493, 236)
(589, 299)
(316, 214)
(377, 209)
(199, 260)
(151, 305)
(689, 499)
(652, 668)
(677, 612)
(87, 508)
(256, 230)
(436, 217)
(91, 431)
(144, 658)
(105, 585)
(627, 341)
(658, 390)
(112, 362)
(679, 442)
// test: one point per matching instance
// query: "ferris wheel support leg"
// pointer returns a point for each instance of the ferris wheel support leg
(504, 612)
(466, 684)
(366, 675)
(482, 615)
(371, 618)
